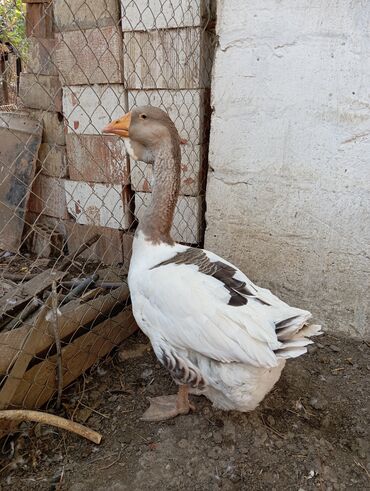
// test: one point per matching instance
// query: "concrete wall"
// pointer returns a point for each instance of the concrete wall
(288, 190)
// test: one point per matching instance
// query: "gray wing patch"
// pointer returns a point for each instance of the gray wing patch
(237, 289)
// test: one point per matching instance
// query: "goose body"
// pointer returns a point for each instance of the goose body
(231, 353)
(216, 332)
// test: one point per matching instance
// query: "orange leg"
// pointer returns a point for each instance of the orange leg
(167, 407)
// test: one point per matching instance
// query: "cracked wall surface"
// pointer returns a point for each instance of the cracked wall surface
(288, 196)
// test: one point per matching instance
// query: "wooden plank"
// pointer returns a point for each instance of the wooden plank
(45, 236)
(25, 291)
(4, 83)
(187, 223)
(25, 356)
(40, 59)
(39, 383)
(73, 15)
(89, 108)
(74, 316)
(143, 15)
(39, 20)
(127, 241)
(48, 197)
(96, 204)
(93, 56)
(40, 92)
(93, 158)
(52, 160)
(167, 59)
(20, 138)
(107, 249)
(53, 125)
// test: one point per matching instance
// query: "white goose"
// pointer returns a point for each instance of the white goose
(216, 332)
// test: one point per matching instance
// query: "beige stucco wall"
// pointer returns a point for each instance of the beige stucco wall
(288, 197)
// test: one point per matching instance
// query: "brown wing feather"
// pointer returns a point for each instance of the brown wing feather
(224, 273)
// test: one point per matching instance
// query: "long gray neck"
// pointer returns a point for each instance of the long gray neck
(158, 217)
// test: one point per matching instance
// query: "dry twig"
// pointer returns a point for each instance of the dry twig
(55, 328)
(51, 419)
(361, 466)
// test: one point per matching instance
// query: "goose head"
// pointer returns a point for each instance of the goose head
(145, 130)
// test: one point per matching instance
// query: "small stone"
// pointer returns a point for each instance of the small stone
(147, 373)
(334, 348)
(217, 436)
(136, 352)
(183, 443)
(101, 371)
(214, 453)
(359, 429)
(260, 438)
(325, 422)
(268, 477)
(271, 420)
(317, 403)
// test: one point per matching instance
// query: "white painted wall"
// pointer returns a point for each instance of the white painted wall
(288, 197)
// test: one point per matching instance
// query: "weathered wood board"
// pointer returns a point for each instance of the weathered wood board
(39, 19)
(167, 59)
(94, 158)
(96, 204)
(25, 291)
(48, 197)
(143, 15)
(93, 56)
(20, 138)
(39, 383)
(73, 15)
(52, 160)
(89, 108)
(74, 316)
(40, 57)
(40, 92)
(108, 249)
(52, 123)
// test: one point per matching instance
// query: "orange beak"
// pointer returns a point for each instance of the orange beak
(120, 126)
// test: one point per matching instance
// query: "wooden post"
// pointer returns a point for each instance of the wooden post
(3, 77)
(39, 18)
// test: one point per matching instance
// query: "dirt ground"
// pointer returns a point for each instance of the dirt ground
(311, 432)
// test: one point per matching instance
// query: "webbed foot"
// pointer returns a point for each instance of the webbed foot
(167, 407)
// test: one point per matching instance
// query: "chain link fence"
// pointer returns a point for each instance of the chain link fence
(70, 197)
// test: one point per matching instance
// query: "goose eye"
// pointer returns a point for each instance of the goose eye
(143, 116)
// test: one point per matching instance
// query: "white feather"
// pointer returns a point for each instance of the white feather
(237, 350)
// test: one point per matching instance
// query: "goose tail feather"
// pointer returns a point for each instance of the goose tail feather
(294, 333)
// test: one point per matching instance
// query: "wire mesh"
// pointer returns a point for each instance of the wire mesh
(71, 197)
